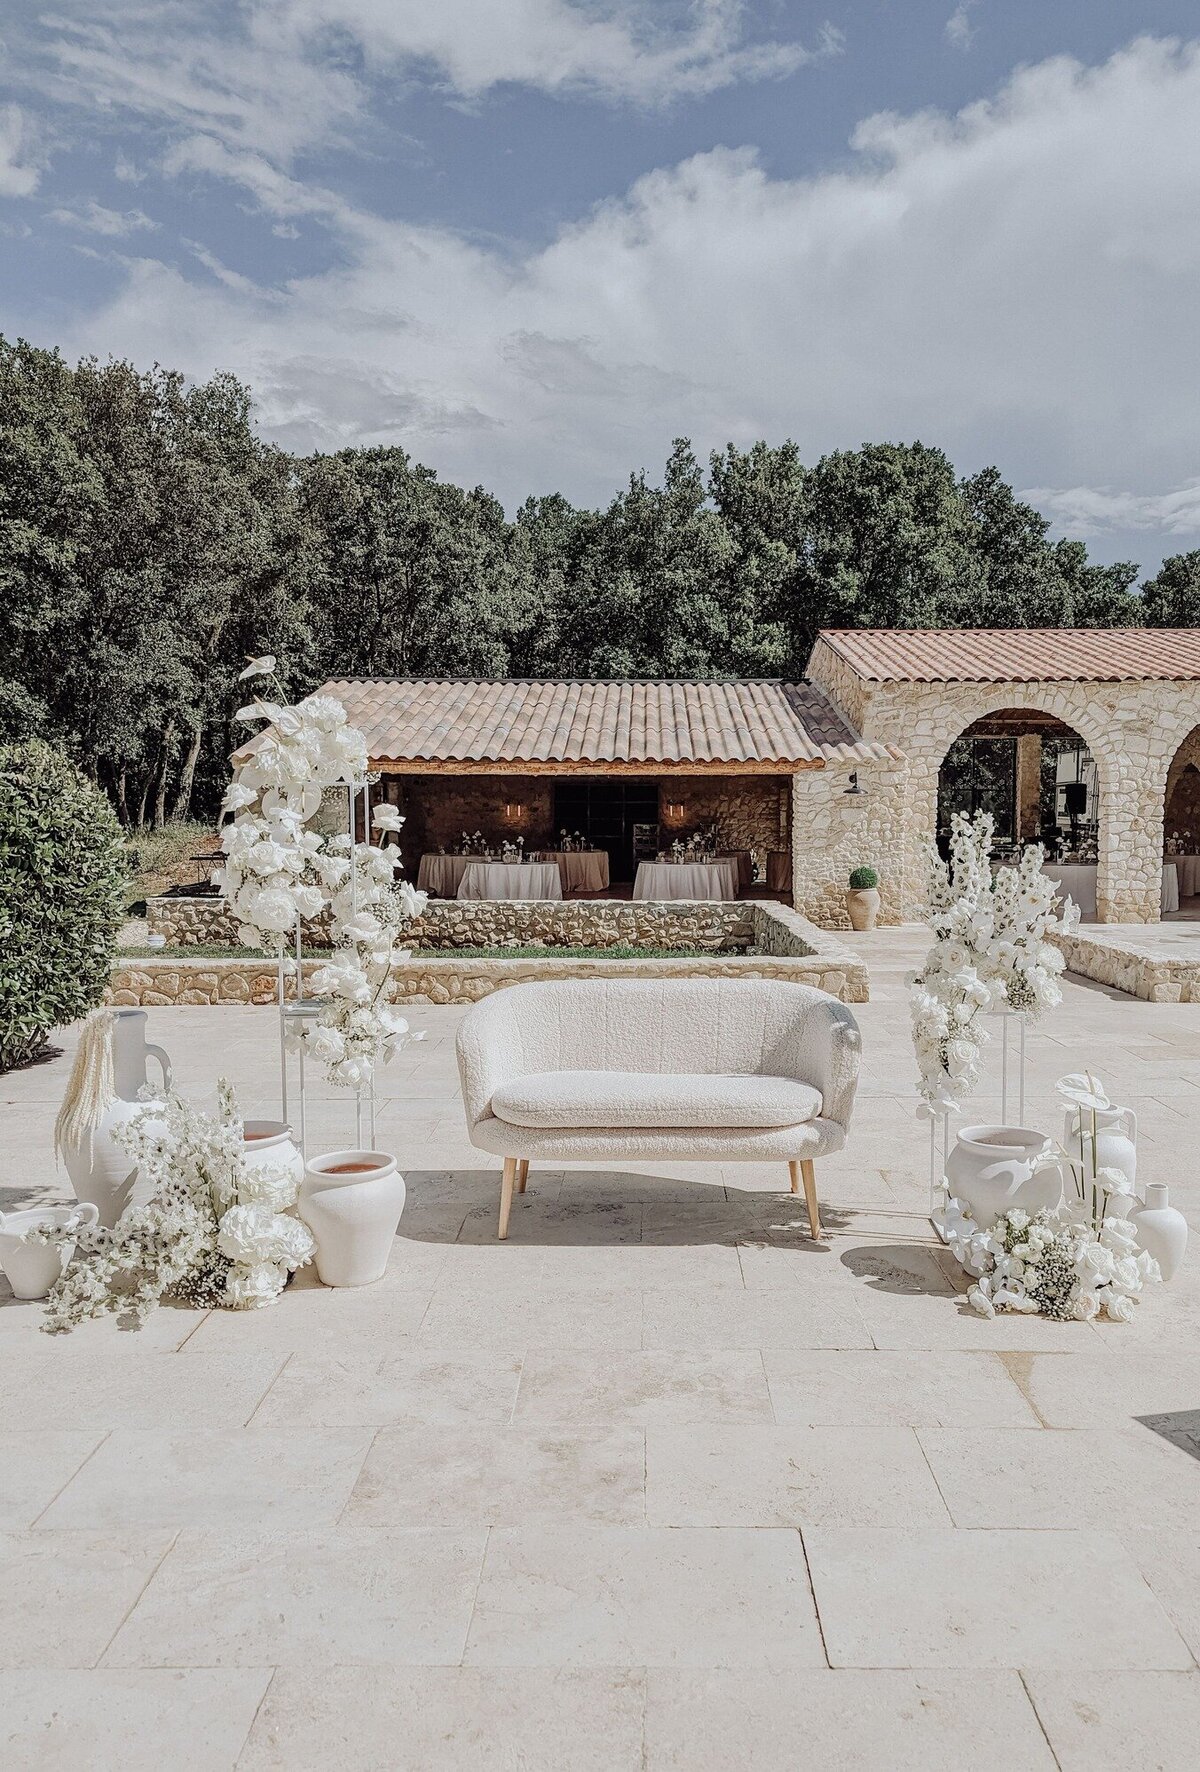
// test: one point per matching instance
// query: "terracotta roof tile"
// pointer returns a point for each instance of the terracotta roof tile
(515, 721)
(1018, 655)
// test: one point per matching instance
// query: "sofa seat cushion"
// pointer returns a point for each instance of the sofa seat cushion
(552, 1099)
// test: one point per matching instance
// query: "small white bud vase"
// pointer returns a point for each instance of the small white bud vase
(991, 1169)
(1161, 1230)
(351, 1201)
(32, 1268)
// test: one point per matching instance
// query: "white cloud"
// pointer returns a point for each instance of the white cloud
(1092, 511)
(1015, 282)
(959, 29)
(18, 166)
(287, 75)
(94, 218)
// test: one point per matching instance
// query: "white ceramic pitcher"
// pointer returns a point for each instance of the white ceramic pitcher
(100, 1170)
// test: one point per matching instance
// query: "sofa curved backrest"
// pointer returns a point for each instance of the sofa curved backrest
(706, 1026)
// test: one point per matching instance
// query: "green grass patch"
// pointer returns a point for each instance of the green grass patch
(618, 951)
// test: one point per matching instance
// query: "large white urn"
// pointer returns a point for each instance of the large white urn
(32, 1268)
(268, 1144)
(101, 1171)
(993, 1169)
(351, 1201)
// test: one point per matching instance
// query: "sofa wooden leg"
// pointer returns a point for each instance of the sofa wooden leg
(522, 1174)
(506, 1194)
(794, 1172)
(810, 1197)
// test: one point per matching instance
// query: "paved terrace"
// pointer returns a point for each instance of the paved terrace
(656, 1484)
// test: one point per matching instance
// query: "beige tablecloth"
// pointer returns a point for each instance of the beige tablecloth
(441, 874)
(686, 879)
(510, 879)
(779, 870)
(1079, 880)
(580, 870)
(1188, 869)
(742, 861)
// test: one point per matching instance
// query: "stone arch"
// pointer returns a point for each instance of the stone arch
(1121, 891)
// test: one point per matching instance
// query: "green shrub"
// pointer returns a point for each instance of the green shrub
(62, 881)
(862, 879)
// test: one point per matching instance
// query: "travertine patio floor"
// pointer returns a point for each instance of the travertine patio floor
(656, 1484)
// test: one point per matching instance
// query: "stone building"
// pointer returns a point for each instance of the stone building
(839, 770)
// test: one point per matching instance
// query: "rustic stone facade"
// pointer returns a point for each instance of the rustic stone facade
(791, 949)
(747, 811)
(834, 831)
(1133, 730)
(1140, 970)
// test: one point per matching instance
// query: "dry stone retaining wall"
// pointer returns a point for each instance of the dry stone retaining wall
(792, 949)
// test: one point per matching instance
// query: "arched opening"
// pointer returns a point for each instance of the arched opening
(1181, 822)
(1035, 775)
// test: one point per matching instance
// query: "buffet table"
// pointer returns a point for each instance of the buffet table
(510, 879)
(579, 870)
(1078, 880)
(441, 875)
(664, 880)
(1188, 869)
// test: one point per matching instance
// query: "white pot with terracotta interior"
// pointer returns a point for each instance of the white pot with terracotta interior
(351, 1201)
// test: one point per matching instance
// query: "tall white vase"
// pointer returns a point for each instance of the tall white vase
(100, 1170)
(1161, 1230)
(991, 1169)
(351, 1201)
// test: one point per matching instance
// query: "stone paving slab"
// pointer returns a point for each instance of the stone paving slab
(656, 1484)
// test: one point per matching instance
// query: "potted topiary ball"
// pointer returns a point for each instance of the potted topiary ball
(862, 900)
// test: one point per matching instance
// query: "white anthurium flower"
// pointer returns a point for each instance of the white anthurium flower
(288, 721)
(258, 667)
(387, 818)
(258, 710)
(1114, 1181)
(1083, 1090)
(979, 1301)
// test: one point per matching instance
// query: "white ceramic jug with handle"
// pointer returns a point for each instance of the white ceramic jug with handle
(32, 1268)
(100, 1169)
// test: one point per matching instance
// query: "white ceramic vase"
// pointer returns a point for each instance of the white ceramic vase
(1162, 1231)
(32, 1268)
(991, 1169)
(268, 1144)
(351, 1201)
(1116, 1147)
(101, 1171)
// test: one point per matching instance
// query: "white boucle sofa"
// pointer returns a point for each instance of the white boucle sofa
(717, 1070)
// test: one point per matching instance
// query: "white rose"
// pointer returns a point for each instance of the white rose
(1087, 1305)
(1119, 1306)
(250, 1288)
(1094, 1263)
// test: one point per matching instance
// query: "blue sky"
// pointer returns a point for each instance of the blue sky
(533, 240)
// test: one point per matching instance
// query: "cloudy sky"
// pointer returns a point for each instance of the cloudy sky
(534, 240)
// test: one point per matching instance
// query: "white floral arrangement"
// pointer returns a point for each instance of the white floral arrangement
(990, 951)
(277, 871)
(1051, 1264)
(215, 1230)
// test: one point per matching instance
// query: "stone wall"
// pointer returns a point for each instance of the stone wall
(793, 949)
(1141, 971)
(206, 921)
(748, 811)
(437, 809)
(833, 831)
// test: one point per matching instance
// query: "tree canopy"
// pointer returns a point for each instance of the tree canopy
(150, 540)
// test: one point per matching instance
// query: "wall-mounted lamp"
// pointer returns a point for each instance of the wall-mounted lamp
(854, 787)
(674, 810)
(514, 811)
